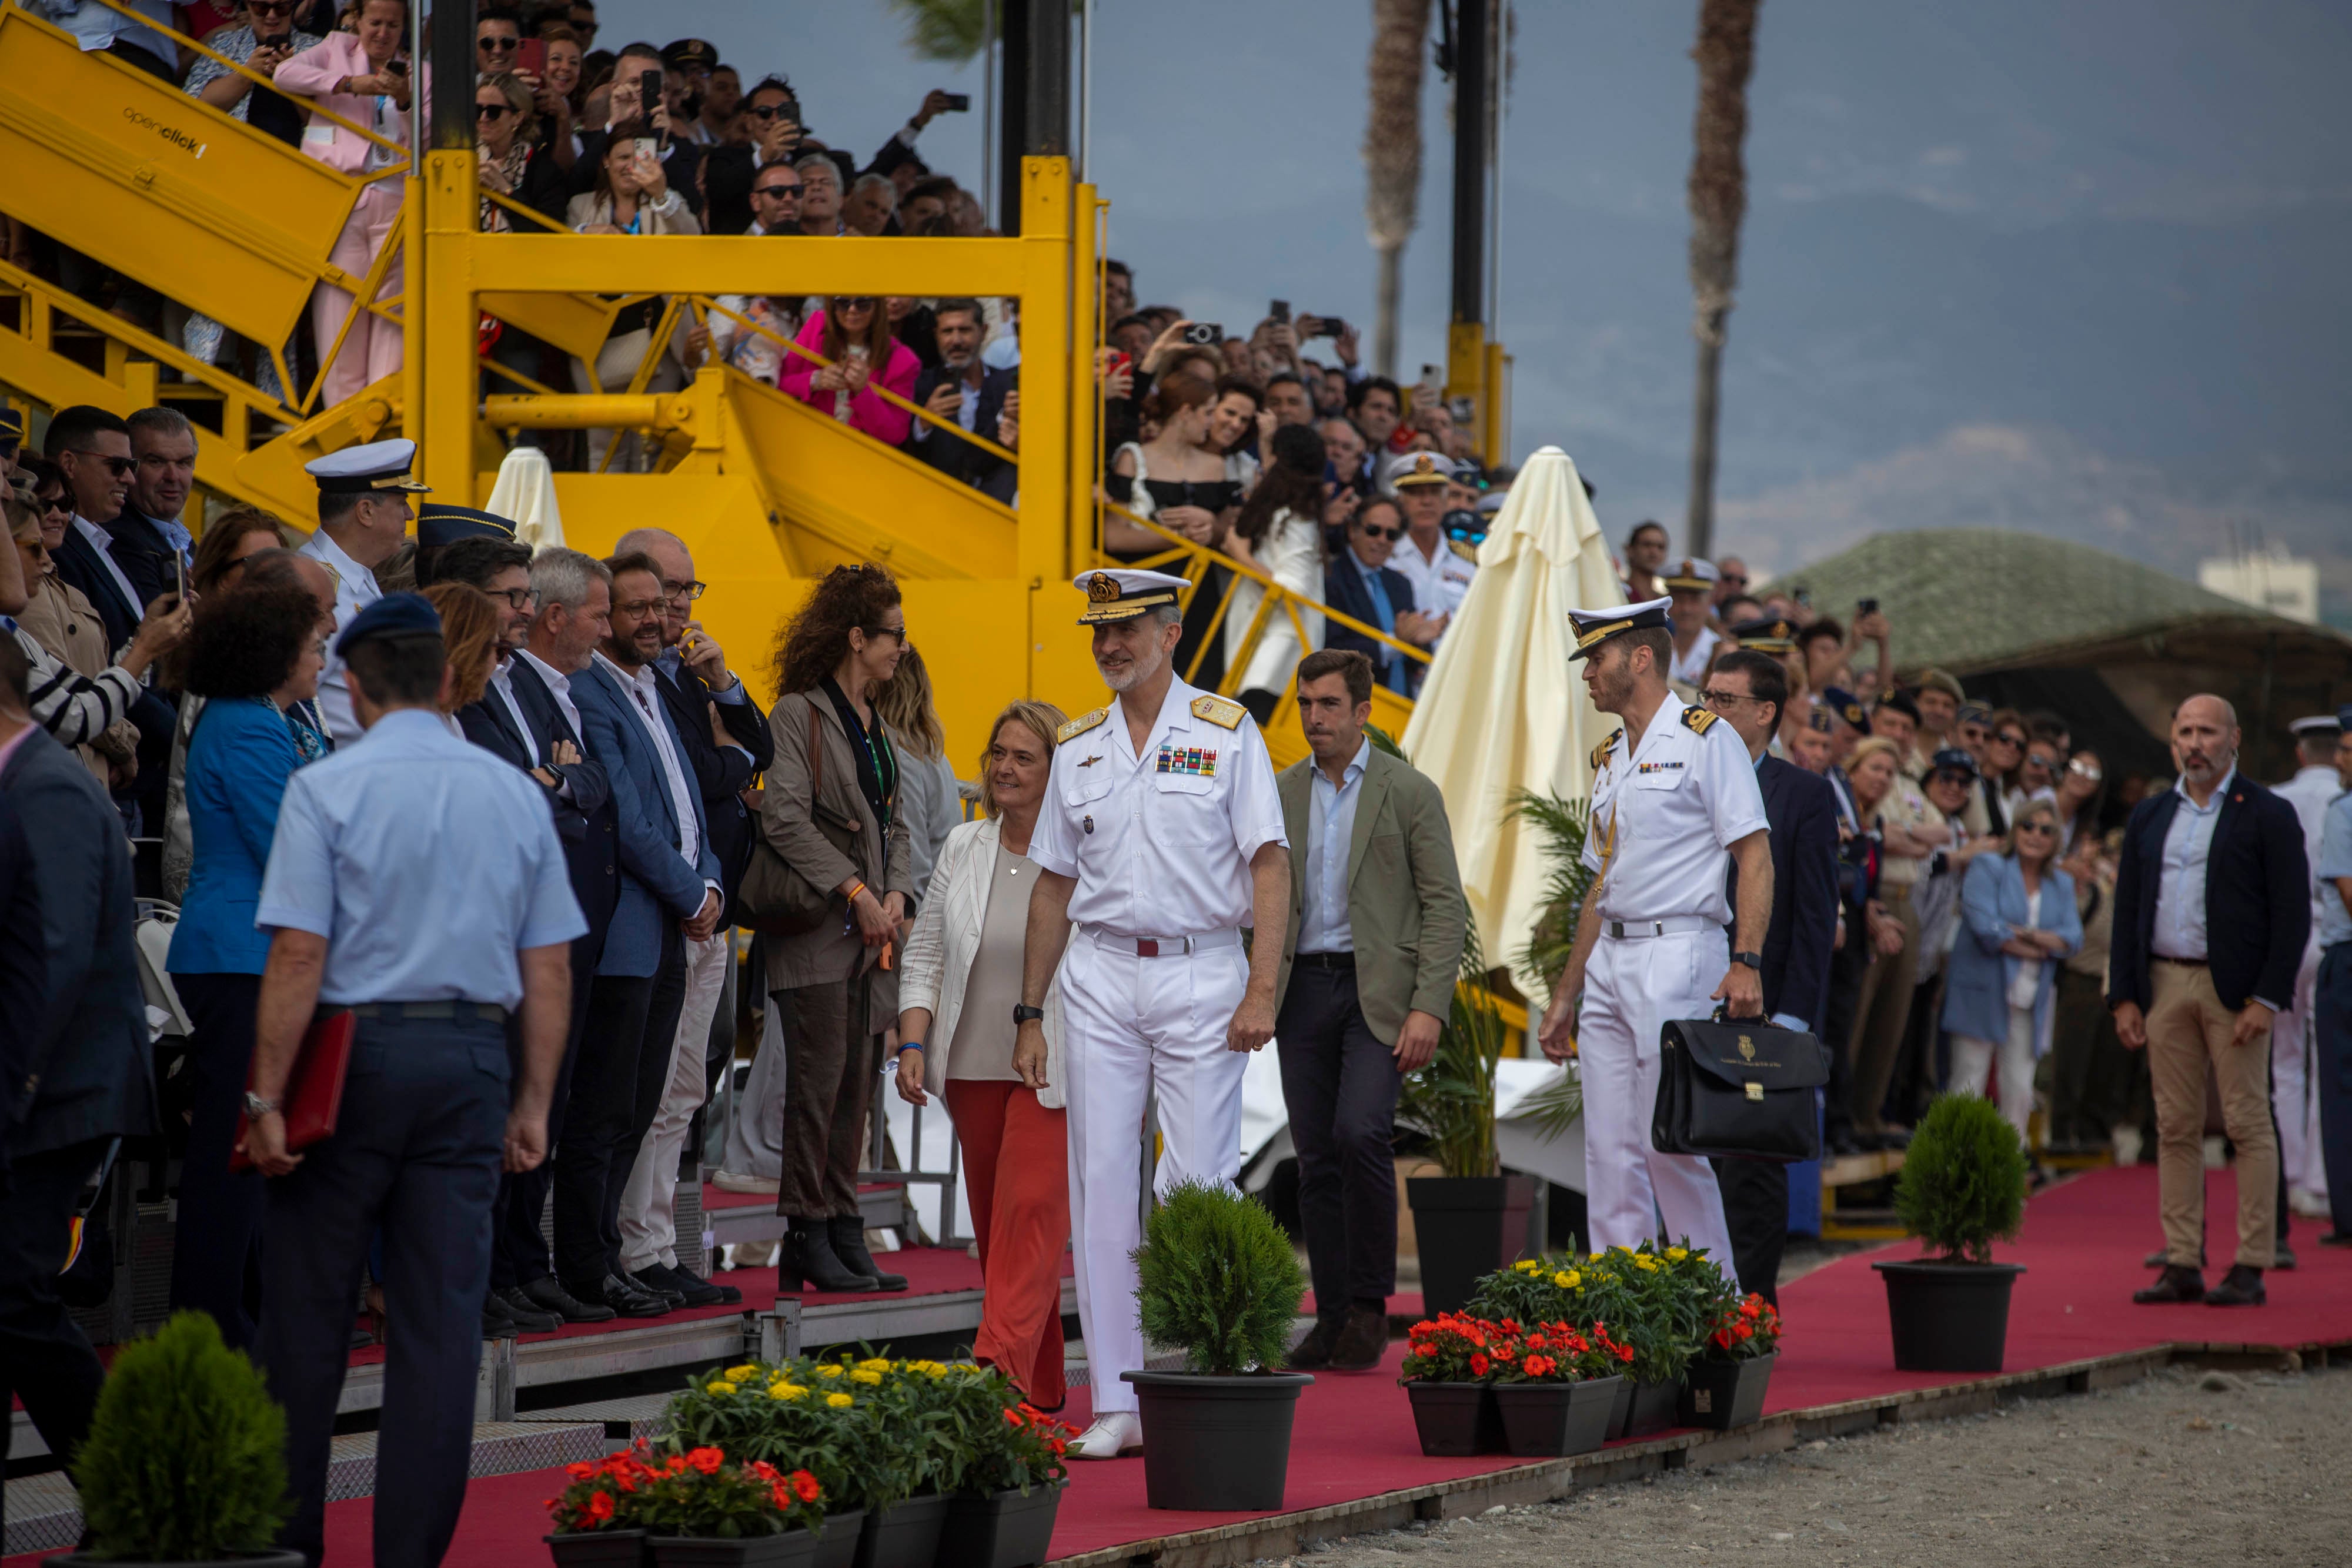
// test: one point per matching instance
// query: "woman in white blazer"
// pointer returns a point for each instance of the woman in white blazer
(958, 986)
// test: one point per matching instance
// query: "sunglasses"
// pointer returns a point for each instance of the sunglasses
(898, 631)
(2035, 828)
(120, 468)
(1374, 531)
(779, 191)
(270, 7)
(855, 302)
(492, 110)
(770, 112)
(1954, 776)
(2008, 740)
(2035, 760)
(2085, 770)
(500, 45)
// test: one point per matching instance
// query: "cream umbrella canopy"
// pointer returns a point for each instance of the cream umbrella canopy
(1502, 709)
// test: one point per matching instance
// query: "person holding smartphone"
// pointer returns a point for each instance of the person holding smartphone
(268, 40)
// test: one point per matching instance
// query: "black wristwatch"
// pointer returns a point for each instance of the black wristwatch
(1753, 960)
(1022, 1014)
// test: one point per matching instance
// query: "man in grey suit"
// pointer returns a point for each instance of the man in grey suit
(77, 1080)
(1377, 924)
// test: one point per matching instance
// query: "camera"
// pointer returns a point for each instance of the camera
(959, 103)
(1865, 607)
(1204, 334)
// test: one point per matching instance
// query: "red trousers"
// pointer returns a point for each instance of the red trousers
(1016, 1168)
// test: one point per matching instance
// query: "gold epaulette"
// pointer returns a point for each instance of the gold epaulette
(1698, 719)
(1463, 550)
(1600, 752)
(1222, 712)
(1080, 725)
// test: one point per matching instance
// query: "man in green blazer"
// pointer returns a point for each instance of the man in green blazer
(1376, 931)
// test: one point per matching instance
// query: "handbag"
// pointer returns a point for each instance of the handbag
(774, 897)
(314, 1086)
(1739, 1090)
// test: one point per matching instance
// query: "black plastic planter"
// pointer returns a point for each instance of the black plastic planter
(1721, 1394)
(904, 1535)
(1653, 1408)
(1456, 1419)
(1000, 1529)
(795, 1548)
(1948, 1317)
(1548, 1420)
(572, 1549)
(294, 1559)
(1217, 1444)
(1465, 1227)
(838, 1546)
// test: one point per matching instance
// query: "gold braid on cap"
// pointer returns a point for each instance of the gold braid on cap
(1587, 639)
(1102, 588)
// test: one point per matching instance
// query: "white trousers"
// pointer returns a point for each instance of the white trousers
(1136, 1026)
(649, 1201)
(1633, 987)
(2294, 1093)
(1972, 1060)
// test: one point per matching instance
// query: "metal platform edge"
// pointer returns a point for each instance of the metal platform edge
(1284, 1535)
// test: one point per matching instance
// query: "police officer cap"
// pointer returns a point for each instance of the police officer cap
(1594, 627)
(1692, 576)
(1952, 759)
(378, 466)
(394, 615)
(1971, 712)
(1846, 706)
(1122, 594)
(1492, 501)
(1415, 470)
(691, 52)
(1766, 635)
(2344, 717)
(12, 426)
(439, 523)
(2320, 723)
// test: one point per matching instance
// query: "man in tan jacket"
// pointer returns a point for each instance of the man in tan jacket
(1377, 925)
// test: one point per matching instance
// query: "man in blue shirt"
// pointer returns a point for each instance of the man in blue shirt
(416, 881)
(2331, 879)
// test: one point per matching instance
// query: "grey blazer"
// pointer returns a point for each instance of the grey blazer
(882, 860)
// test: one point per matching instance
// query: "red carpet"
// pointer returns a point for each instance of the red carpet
(2082, 1248)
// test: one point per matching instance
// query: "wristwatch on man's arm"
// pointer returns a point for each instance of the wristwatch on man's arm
(255, 1107)
(1024, 1014)
(1753, 960)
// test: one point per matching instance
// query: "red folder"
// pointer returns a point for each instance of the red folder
(314, 1088)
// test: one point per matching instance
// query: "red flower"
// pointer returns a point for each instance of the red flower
(1723, 1338)
(1625, 1353)
(676, 1465)
(1745, 1331)
(600, 1506)
(580, 1472)
(1509, 1326)
(804, 1486)
(707, 1460)
(1012, 1419)
(1478, 1364)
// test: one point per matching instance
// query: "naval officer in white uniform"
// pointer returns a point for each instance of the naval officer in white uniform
(1675, 803)
(1160, 836)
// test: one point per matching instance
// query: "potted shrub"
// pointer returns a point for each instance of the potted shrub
(1217, 1280)
(1558, 1390)
(1725, 1387)
(1007, 1484)
(1449, 1376)
(1961, 1187)
(1473, 1220)
(700, 1510)
(186, 1460)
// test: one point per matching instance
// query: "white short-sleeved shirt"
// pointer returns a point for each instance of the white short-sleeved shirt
(1666, 815)
(1160, 841)
(1439, 583)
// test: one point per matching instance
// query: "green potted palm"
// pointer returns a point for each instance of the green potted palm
(1962, 1187)
(1217, 1280)
(186, 1460)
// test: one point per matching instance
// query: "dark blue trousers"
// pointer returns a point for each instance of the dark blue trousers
(217, 1246)
(2333, 1064)
(1339, 1084)
(416, 1151)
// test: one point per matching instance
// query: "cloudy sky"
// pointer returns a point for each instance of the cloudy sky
(2075, 268)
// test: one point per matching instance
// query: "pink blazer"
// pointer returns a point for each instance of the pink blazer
(884, 421)
(313, 73)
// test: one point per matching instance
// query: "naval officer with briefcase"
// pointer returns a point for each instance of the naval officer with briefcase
(1673, 791)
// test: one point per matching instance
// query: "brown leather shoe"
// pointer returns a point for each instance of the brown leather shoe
(2175, 1284)
(1362, 1341)
(2240, 1287)
(1313, 1352)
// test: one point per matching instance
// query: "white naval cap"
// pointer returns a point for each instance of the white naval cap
(365, 469)
(1124, 593)
(1692, 575)
(2318, 724)
(1594, 627)
(1411, 470)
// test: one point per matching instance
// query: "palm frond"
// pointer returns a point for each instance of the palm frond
(1452, 1100)
(951, 31)
(1561, 826)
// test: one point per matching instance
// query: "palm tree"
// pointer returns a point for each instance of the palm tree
(1392, 157)
(1718, 200)
(951, 31)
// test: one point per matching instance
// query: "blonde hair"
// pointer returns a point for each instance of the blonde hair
(905, 702)
(1043, 720)
(1874, 746)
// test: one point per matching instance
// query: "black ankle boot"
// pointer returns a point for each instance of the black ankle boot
(807, 1260)
(849, 1237)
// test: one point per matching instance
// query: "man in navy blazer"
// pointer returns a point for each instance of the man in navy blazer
(1750, 689)
(1360, 583)
(670, 892)
(78, 1075)
(2212, 908)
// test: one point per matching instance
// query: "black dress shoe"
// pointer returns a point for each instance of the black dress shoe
(681, 1287)
(689, 1281)
(2175, 1284)
(1362, 1341)
(527, 1315)
(2240, 1287)
(2282, 1256)
(624, 1297)
(644, 1280)
(848, 1236)
(808, 1262)
(2337, 1238)
(548, 1294)
(1313, 1352)
(497, 1323)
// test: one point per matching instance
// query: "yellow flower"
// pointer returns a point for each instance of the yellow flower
(742, 1373)
(1677, 1253)
(866, 1374)
(722, 1386)
(1647, 1264)
(839, 1401)
(828, 1370)
(875, 1363)
(1527, 1266)
(787, 1391)
(1568, 1280)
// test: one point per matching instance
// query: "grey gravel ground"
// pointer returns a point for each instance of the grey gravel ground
(2185, 1467)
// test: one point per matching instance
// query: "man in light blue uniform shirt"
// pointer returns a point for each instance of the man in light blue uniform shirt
(416, 880)
(2332, 882)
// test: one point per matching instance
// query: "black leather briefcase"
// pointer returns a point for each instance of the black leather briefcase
(1739, 1091)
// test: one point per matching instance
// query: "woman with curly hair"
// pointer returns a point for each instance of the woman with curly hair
(256, 652)
(831, 812)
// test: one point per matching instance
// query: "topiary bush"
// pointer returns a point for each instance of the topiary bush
(186, 1460)
(1962, 1185)
(1215, 1278)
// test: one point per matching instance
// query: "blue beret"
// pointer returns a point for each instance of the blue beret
(1841, 703)
(1955, 758)
(394, 615)
(439, 523)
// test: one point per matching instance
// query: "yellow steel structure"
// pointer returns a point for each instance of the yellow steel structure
(767, 491)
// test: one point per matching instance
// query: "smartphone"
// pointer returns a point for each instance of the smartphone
(1206, 334)
(647, 147)
(1329, 326)
(531, 59)
(959, 103)
(1803, 596)
(180, 574)
(397, 68)
(1280, 310)
(649, 91)
(1865, 607)
(1121, 362)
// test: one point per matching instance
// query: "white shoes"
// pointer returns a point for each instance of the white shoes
(728, 1181)
(1114, 1436)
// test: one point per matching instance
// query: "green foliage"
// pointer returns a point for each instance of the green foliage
(1962, 1185)
(1216, 1278)
(1661, 1303)
(948, 31)
(185, 1462)
(701, 1494)
(1561, 825)
(1452, 1100)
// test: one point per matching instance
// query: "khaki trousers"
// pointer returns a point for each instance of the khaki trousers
(2188, 1027)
